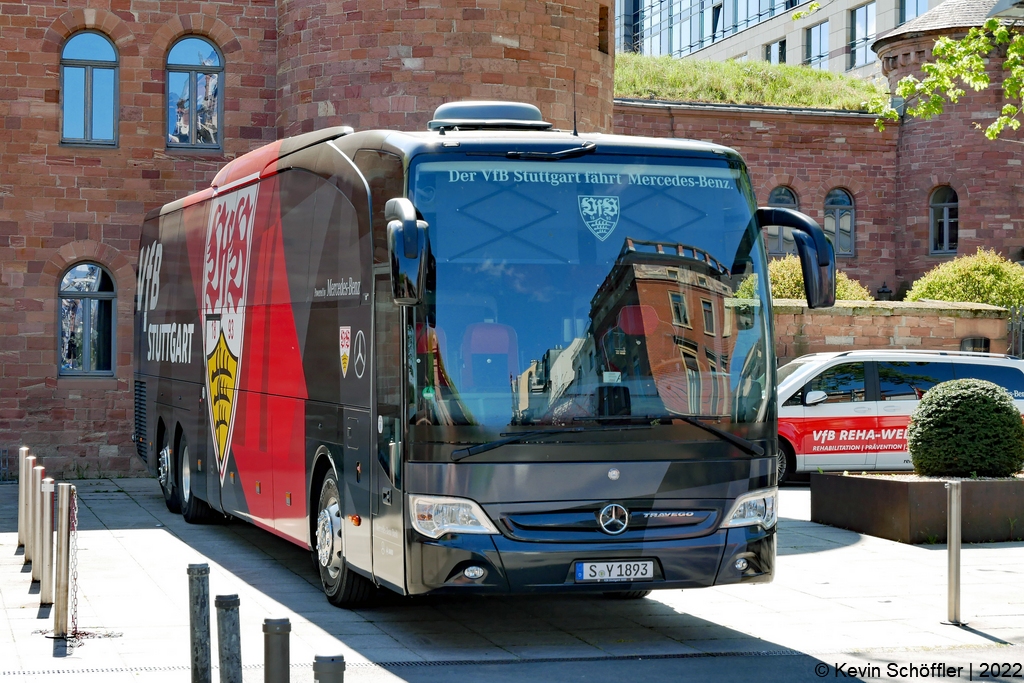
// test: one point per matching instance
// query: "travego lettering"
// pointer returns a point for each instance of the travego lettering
(170, 342)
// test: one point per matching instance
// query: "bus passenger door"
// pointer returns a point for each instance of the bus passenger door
(357, 465)
(388, 501)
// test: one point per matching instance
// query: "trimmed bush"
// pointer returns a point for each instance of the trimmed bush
(787, 282)
(966, 427)
(983, 278)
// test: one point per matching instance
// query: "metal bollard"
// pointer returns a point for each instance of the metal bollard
(38, 473)
(276, 650)
(60, 608)
(953, 503)
(22, 495)
(329, 669)
(199, 620)
(46, 546)
(229, 638)
(30, 532)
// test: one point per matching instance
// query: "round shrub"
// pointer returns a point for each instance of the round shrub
(966, 427)
(982, 278)
(787, 281)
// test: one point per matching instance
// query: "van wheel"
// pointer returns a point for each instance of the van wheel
(786, 461)
(165, 475)
(627, 595)
(342, 586)
(194, 511)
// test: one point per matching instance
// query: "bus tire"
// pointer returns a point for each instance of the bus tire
(627, 595)
(786, 461)
(165, 472)
(194, 511)
(342, 586)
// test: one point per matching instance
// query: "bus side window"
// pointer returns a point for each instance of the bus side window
(385, 175)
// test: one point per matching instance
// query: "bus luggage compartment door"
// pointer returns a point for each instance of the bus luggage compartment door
(357, 467)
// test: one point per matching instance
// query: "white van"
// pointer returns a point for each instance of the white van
(849, 410)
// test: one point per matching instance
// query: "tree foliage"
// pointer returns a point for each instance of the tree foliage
(787, 282)
(960, 64)
(983, 278)
(966, 427)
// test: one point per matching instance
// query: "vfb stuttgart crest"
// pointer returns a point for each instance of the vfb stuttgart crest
(345, 345)
(601, 214)
(225, 276)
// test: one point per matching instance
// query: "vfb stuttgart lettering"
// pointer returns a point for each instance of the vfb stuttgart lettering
(225, 277)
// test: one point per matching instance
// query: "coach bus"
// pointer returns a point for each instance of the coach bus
(488, 357)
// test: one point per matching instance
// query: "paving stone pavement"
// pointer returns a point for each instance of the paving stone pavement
(835, 593)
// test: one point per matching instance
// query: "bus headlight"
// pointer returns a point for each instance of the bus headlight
(434, 516)
(755, 507)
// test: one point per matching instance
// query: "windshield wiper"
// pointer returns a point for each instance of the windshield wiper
(744, 445)
(571, 153)
(515, 437)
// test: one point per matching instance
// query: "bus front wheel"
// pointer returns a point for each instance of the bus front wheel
(342, 586)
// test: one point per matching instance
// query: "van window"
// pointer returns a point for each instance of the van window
(1008, 378)
(843, 383)
(908, 380)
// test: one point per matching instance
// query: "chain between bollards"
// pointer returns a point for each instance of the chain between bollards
(953, 542)
(229, 638)
(199, 621)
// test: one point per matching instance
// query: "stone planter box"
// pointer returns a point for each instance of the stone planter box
(913, 511)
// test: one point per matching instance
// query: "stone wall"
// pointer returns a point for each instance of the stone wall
(854, 325)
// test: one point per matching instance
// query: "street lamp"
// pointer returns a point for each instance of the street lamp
(1008, 9)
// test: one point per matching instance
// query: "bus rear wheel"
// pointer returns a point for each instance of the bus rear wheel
(194, 511)
(342, 586)
(165, 475)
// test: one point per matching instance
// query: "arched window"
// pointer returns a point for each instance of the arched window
(88, 74)
(780, 240)
(86, 313)
(839, 221)
(944, 208)
(195, 101)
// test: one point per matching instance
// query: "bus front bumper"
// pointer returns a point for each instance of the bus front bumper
(509, 566)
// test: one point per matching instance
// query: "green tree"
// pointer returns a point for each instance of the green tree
(983, 278)
(787, 282)
(960, 64)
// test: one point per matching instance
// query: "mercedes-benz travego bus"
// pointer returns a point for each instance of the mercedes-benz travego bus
(489, 357)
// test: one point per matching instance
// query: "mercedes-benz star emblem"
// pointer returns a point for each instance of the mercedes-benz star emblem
(613, 519)
(359, 354)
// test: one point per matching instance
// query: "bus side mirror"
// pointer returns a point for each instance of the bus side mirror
(408, 251)
(817, 257)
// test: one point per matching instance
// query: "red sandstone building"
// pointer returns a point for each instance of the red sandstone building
(111, 109)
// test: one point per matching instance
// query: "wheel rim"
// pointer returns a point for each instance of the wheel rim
(164, 468)
(328, 536)
(780, 464)
(186, 475)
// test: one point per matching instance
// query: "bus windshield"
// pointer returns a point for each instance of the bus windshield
(597, 289)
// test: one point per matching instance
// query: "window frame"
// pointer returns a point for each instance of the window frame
(821, 60)
(775, 244)
(903, 10)
(88, 298)
(852, 208)
(680, 305)
(780, 51)
(193, 71)
(861, 43)
(933, 221)
(89, 65)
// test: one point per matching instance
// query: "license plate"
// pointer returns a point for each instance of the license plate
(599, 572)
